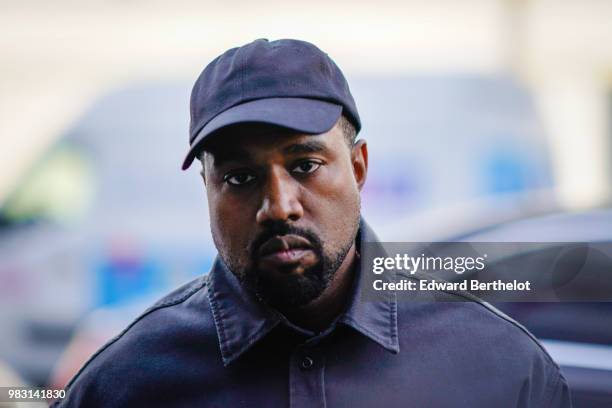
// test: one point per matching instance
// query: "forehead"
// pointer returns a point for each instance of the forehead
(260, 139)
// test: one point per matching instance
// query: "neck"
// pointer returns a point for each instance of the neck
(321, 312)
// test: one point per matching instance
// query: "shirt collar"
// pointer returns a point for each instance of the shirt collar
(376, 319)
(242, 320)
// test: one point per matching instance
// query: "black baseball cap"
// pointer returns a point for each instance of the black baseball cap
(288, 83)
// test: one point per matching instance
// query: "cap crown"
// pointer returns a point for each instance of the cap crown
(268, 69)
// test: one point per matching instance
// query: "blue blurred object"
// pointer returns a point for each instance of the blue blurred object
(122, 279)
(504, 171)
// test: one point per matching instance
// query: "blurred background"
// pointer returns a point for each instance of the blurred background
(478, 113)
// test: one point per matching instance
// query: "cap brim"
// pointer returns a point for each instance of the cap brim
(302, 115)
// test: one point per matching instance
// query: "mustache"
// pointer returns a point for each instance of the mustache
(279, 228)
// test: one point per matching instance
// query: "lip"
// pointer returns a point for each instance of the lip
(284, 249)
(289, 256)
(280, 243)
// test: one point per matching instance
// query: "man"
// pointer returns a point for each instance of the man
(279, 320)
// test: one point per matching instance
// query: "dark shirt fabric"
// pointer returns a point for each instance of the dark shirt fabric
(210, 343)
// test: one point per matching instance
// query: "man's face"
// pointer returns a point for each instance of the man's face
(284, 207)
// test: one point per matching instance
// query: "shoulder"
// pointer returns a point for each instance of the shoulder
(469, 315)
(147, 346)
(171, 312)
(461, 330)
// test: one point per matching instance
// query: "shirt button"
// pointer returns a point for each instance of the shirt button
(307, 363)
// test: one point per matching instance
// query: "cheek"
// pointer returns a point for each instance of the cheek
(339, 189)
(333, 204)
(229, 224)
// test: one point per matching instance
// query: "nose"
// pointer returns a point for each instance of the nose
(280, 199)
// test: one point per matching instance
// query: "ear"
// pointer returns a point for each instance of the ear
(203, 174)
(203, 161)
(359, 160)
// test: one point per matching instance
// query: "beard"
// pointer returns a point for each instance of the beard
(293, 289)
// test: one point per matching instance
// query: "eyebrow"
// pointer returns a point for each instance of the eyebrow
(226, 155)
(223, 156)
(311, 146)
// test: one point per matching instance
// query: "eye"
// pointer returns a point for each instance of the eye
(307, 166)
(238, 178)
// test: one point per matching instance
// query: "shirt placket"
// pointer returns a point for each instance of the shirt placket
(306, 378)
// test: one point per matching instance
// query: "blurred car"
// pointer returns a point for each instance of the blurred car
(577, 334)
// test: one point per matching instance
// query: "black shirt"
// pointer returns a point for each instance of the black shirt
(210, 343)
